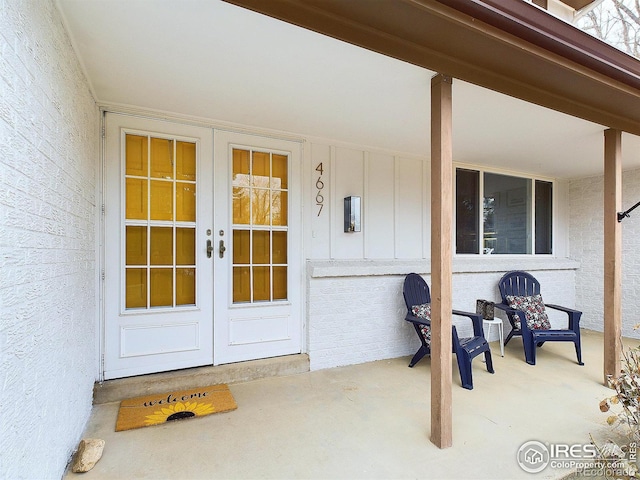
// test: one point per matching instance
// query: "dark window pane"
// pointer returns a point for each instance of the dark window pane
(544, 196)
(507, 214)
(467, 210)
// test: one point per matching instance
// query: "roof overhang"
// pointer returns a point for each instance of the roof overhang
(577, 4)
(511, 47)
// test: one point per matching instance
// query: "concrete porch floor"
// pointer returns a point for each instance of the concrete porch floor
(372, 421)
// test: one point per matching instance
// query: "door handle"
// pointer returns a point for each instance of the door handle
(222, 249)
(209, 248)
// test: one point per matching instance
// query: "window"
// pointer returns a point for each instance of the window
(516, 214)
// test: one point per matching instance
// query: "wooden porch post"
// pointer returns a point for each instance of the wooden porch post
(441, 234)
(612, 252)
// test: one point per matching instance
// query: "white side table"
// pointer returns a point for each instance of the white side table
(490, 323)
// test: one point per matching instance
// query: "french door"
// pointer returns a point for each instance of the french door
(158, 280)
(201, 248)
(258, 276)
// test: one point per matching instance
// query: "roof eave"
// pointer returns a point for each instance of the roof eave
(511, 47)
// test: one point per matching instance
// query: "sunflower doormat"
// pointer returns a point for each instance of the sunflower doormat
(166, 407)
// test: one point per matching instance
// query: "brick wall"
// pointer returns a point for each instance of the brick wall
(49, 151)
(356, 309)
(357, 319)
(586, 237)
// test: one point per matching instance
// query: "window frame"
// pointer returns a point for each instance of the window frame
(481, 170)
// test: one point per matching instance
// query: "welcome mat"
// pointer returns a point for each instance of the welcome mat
(165, 407)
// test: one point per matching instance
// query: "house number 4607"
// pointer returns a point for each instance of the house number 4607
(319, 186)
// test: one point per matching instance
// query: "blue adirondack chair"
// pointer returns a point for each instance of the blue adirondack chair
(521, 289)
(416, 294)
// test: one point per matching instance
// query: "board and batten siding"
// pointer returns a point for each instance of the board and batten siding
(394, 191)
(355, 308)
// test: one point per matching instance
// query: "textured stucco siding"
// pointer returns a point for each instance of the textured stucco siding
(587, 246)
(49, 151)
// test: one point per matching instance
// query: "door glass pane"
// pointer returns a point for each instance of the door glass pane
(170, 241)
(280, 208)
(279, 168)
(260, 170)
(240, 167)
(136, 155)
(279, 252)
(279, 283)
(186, 161)
(261, 247)
(241, 206)
(185, 246)
(161, 287)
(161, 158)
(161, 200)
(161, 246)
(136, 291)
(185, 286)
(261, 284)
(185, 202)
(241, 247)
(136, 192)
(241, 284)
(260, 208)
(136, 241)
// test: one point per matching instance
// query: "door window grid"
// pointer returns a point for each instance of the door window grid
(260, 226)
(160, 209)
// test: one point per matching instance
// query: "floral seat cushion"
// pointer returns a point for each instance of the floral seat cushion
(424, 311)
(534, 311)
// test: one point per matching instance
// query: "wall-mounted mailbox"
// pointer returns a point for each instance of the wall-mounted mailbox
(351, 214)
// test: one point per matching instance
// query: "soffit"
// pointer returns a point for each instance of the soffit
(214, 61)
(577, 4)
(449, 36)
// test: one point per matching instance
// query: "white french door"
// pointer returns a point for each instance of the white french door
(202, 247)
(258, 273)
(158, 308)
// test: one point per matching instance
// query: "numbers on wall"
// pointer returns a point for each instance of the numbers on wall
(319, 187)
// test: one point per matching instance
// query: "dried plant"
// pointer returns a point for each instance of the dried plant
(627, 388)
(627, 420)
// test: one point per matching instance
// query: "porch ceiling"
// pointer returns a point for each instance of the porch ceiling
(213, 60)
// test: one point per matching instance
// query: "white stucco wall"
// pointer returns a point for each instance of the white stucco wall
(586, 196)
(49, 146)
